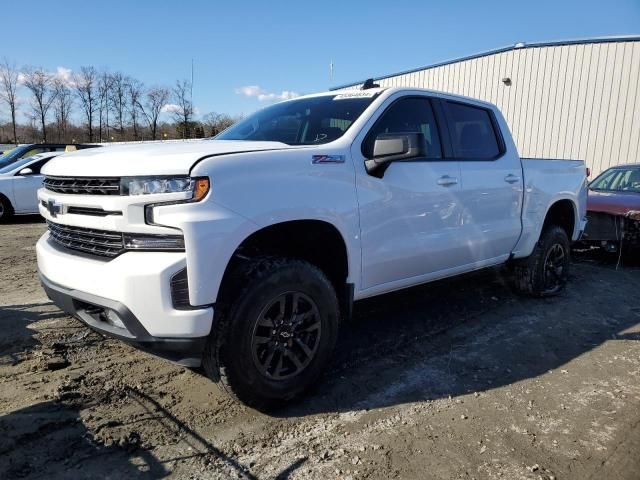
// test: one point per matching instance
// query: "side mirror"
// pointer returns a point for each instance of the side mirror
(394, 147)
(25, 171)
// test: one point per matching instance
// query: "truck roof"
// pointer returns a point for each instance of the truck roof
(391, 90)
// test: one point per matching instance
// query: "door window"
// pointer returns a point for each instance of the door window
(472, 132)
(407, 115)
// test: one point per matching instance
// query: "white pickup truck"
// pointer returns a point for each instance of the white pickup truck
(245, 252)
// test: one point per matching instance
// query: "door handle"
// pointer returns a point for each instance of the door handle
(447, 181)
(511, 178)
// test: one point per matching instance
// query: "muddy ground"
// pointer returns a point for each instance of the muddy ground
(458, 379)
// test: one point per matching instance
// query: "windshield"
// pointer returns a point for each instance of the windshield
(618, 180)
(307, 121)
(15, 163)
(10, 157)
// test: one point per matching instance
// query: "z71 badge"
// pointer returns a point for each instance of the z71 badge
(327, 159)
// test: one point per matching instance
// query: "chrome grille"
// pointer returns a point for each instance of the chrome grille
(88, 240)
(83, 186)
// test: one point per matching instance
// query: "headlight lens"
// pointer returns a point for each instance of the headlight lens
(197, 187)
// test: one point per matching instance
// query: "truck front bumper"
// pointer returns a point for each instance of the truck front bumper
(127, 297)
(96, 312)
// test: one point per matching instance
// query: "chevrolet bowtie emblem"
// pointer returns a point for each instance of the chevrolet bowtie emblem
(54, 209)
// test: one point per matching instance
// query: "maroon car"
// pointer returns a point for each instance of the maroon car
(613, 208)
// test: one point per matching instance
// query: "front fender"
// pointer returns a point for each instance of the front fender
(212, 234)
(272, 187)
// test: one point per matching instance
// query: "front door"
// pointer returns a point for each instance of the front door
(25, 188)
(410, 218)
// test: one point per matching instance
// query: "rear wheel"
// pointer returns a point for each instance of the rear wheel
(545, 272)
(276, 335)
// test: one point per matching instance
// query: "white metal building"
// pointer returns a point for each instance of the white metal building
(575, 99)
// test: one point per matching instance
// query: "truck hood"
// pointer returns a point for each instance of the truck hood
(615, 203)
(171, 158)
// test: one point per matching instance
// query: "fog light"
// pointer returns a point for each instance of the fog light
(114, 319)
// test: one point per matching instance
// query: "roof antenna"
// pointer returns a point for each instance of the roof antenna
(368, 83)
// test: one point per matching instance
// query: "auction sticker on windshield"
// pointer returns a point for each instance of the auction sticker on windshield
(344, 96)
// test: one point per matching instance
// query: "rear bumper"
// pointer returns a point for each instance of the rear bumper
(96, 312)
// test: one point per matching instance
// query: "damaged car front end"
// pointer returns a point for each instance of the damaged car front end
(613, 209)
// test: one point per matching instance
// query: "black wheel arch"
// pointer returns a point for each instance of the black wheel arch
(564, 214)
(315, 241)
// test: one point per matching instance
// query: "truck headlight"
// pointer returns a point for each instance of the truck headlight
(197, 187)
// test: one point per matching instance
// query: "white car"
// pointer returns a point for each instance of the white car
(244, 253)
(19, 184)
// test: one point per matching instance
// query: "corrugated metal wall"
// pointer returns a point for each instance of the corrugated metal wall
(576, 101)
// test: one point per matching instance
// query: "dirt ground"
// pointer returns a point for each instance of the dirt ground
(456, 380)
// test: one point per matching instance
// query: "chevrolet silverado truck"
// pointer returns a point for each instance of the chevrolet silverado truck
(243, 253)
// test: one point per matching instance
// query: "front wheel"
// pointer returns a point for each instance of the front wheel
(276, 335)
(6, 211)
(545, 272)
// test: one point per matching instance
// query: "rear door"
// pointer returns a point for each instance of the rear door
(492, 183)
(25, 187)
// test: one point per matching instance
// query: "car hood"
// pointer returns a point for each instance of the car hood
(170, 158)
(615, 203)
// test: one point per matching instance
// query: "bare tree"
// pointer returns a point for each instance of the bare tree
(135, 89)
(118, 99)
(86, 90)
(62, 107)
(217, 122)
(156, 98)
(40, 84)
(184, 111)
(32, 117)
(105, 80)
(9, 84)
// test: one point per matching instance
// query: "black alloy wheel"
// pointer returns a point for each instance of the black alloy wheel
(286, 336)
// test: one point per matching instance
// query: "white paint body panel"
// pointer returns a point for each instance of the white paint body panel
(399, 231)
(148, 158)
(21, 190)
(139, 280)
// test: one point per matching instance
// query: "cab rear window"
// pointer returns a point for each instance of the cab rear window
(473, 133)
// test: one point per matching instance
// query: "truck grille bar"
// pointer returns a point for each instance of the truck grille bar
(83, 185)
(88, 240)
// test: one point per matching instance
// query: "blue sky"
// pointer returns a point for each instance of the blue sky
(281, 46)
